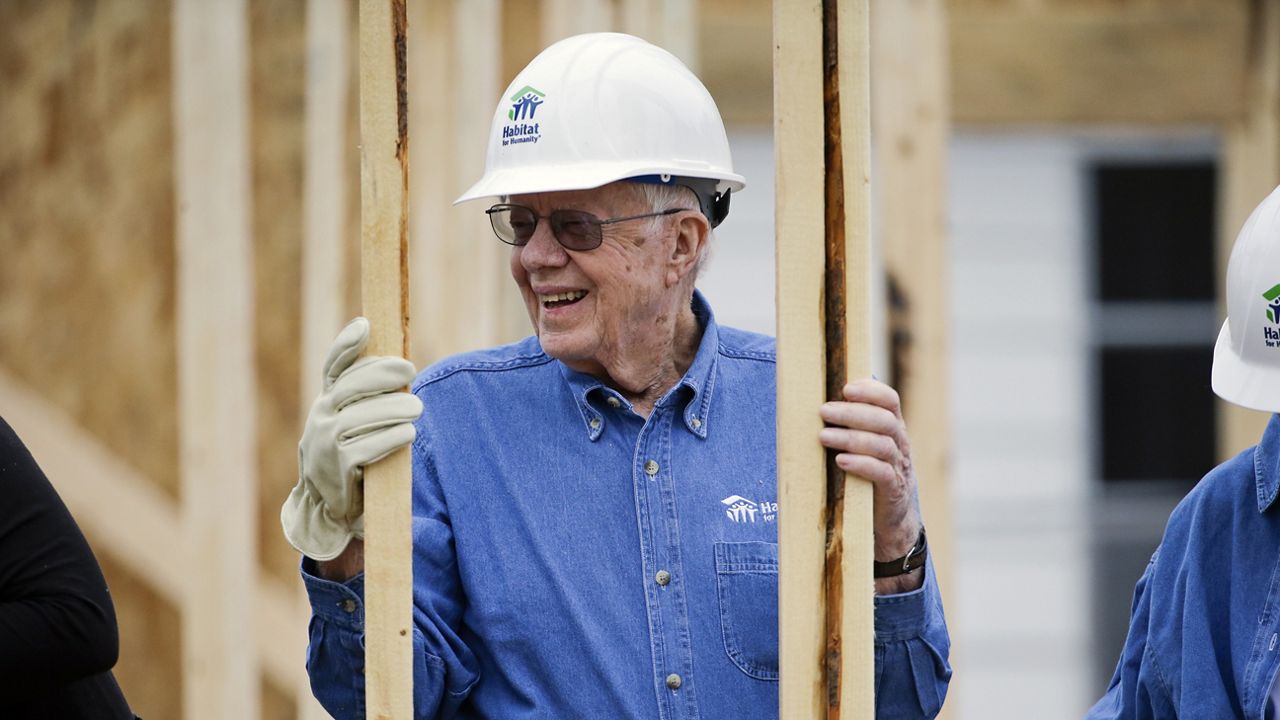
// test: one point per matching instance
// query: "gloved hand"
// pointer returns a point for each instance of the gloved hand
(360, 416)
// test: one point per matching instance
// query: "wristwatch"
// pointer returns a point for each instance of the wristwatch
(913, 560)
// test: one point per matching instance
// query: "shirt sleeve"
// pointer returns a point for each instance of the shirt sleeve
(444, 668)
(1137, 690)
(911, 647)
(57, 622)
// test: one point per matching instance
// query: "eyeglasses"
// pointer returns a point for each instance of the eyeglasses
(573, 229)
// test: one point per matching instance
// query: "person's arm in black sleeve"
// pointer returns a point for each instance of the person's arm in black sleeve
(57, 622)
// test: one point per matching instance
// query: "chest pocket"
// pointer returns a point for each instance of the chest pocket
(747, 583)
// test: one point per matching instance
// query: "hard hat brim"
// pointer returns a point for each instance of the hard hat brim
(1240, 383)
(527, 180)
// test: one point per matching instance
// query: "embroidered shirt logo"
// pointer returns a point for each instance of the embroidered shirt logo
(741, 510)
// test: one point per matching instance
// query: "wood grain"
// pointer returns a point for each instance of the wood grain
(216, 374)
(384, 232)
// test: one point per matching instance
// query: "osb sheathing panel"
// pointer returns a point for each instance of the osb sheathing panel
(87, 259)
(86, 218)
(150, 644)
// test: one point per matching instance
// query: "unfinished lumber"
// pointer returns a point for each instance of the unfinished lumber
(216, 401)
(324, 190)
(384, 233)
(822, 146)
(562, 18)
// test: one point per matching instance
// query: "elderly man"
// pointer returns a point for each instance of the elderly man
(1203, 636)
(595, 509)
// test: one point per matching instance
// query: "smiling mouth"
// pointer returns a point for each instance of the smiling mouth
(561, 299)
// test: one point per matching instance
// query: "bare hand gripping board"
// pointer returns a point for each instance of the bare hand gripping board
(384, 235)
(822, 144)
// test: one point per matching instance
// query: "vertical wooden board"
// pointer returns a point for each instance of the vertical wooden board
(384, 296)
(857, 625)
(910, 131)
(499, 313)
(670, 24)
(798, 148)
(456, 85)
(563, 18)
(431, 87)
(325, 187)
(277, 73)
(1251, 170)
(215, 357)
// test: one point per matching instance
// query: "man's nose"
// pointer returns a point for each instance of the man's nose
(543, 250)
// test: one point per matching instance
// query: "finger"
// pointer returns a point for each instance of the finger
(375, 413)
(860, 442)
(874, 392)
(345, 349)
(861, 416)
(868, 468)
(372, 447)
(371, 376)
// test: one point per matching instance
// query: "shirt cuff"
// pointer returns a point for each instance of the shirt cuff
(341, 603)
(906, 615)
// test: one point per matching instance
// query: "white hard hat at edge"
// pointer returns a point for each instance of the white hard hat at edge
(596, 108)
(1246, 360)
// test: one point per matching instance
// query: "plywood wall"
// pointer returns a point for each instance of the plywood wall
(87, 262)
(87, 259)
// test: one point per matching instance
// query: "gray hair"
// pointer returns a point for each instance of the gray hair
(665, 197)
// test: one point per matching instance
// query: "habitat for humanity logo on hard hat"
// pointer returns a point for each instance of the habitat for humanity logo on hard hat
(524, 106)
(1271, 334)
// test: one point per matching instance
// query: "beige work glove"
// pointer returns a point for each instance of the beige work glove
(361, 415)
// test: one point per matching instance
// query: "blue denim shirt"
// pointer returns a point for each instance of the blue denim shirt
(575, 560)
(1204, 639)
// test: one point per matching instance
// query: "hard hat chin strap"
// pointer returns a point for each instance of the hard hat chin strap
(713, 203)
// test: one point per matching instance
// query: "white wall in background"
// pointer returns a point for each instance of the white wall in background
(1018, 377)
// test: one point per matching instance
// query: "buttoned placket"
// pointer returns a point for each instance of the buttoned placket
(662, 568)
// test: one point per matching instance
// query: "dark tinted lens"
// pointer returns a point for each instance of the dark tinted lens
(513, 224)
(575, 229)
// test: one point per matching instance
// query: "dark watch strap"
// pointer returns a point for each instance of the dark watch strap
(913, 560)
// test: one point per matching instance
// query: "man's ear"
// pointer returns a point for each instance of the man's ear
(692, 233)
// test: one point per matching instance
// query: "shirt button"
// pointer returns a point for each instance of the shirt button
(614, 402)
(595, 423)
(651, 468)
(662, 577)
(349, 605)
(696, 423)
(674, 682)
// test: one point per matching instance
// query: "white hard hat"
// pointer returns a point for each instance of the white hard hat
(596, 108)
(1246, 360)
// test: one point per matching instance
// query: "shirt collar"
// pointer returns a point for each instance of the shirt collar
(698, 383)
(1266, 464)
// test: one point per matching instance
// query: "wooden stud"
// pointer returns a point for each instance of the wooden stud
(215, 358)
(325, 220)
(384, 232)
(670, 24)
(1250, 170)
(324, 186)
(456, 55)
(562, 18)
(822, 145)
(909, 129)
(846, 37)
(1145, 62)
